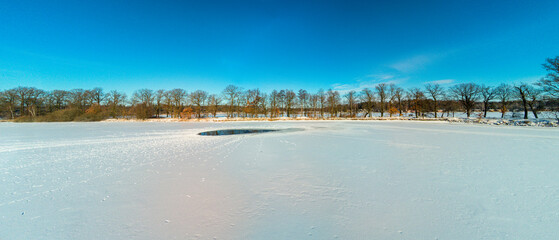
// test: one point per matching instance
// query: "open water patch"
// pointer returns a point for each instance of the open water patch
(235, 131)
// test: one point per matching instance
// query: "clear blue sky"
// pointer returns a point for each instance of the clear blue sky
(127, 45)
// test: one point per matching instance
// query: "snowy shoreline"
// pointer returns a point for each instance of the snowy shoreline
(483, 121)
(543, 123)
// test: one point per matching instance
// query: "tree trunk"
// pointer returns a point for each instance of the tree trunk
(21, 109)
(436, 108)
(533, 110)
(525, 108)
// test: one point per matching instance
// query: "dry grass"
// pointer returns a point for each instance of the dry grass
(274, 119)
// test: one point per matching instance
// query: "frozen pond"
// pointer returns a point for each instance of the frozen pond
(235, 131)
(334, 180)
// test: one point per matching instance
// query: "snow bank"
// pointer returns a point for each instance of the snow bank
(508, 122)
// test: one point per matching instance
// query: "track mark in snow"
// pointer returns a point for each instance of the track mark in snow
(43, 144)
(288, 142)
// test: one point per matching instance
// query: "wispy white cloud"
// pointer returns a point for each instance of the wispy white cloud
(369, 81)
(442, 81)
(412, 63)
(338, 86)
(380, 76)
(398, 72)
(420, 61)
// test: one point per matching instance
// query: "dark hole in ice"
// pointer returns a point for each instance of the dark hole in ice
(235, 131)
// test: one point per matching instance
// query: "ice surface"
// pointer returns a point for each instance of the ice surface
(334, 180)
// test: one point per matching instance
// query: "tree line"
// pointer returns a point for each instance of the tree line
(432, 100)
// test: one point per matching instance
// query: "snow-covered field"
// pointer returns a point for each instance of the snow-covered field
(326, 180)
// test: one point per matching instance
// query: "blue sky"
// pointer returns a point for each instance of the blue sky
(127, 45)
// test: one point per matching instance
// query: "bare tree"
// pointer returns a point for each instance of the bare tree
(215, 100)
(274, 104)
(115, 102)
(88, 99)
(533, 97)
(398, 97)
(144, 96)
(168, 102)
(289, 101)
(60, 98)
(159, 98)
(351, 96)
(416, 95)
(178, 97)
(322, 100)
(303, 99)
(467, 94)
(504, 92)
(381, 92)
(263, 104)
(333, 100)
(253, 98)
(35, 101)
(449, 105)
(231, 93)
(314, 104)
(487, 94)
(390, 96)
(3, 104)
(49, 103)
(142, 103)
(242, 104)
(368, 99)
(521, 92)
(435, 91)
(281, 101)
(78, 99)
(23, 95)
(97, 95)
(10, 98)
(198, 99)
(550, 82)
